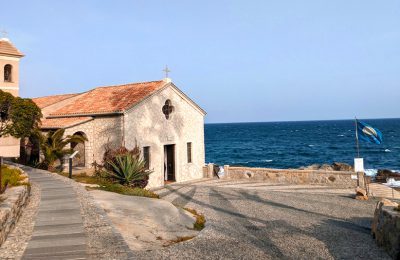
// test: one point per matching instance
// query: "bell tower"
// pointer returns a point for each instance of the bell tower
(9, 66)
(9, 82)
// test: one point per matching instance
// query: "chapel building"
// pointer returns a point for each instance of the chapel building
(165, 123)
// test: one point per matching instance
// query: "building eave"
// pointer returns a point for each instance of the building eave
(86, 114)
(12, 55)
(189, 99)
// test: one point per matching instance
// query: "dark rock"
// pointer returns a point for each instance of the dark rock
(361, 197)
(384, 174)
(337, 166)
(326, 167)
(361, 191)
(311, 167)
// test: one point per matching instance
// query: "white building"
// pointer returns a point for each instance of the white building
(166, 124)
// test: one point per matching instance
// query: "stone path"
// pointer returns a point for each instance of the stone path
(58, 231)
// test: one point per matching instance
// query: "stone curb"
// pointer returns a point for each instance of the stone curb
(115, 246)
(15, 199)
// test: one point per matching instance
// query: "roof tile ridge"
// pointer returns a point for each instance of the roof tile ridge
(57, 95)
(127, 84)
(6, 40)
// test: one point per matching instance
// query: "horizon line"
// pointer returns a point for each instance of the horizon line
(289, 121)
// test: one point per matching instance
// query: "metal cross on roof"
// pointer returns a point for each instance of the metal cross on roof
(166, 70)
(4, 33)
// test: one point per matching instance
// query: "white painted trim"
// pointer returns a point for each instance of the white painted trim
(3, 57)
(187, 99)
(10, 88)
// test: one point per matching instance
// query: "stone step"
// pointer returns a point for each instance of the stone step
(56, 252)
(58, 232)
(57, 240)
(58, 229)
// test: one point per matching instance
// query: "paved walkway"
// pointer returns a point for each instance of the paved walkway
(58, 231)
(381, 191)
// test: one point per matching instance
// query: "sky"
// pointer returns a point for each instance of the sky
(241, 61)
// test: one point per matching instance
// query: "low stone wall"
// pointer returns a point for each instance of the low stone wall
(386, 229)
(294, 176)
(12, 201)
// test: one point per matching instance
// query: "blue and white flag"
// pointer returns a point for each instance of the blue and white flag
(368, 133)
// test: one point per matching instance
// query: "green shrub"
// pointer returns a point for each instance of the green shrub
(128, 169)
(109, 185)
(54, 146)
(126, 166)
(11, 177)
(124, 190)
(200, 219)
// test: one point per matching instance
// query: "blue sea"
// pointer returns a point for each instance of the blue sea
(297, 144)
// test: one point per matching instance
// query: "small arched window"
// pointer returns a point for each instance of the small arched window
(8, 73)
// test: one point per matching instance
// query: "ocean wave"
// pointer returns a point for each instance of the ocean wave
(311, 145)
(387, 151)
(268, 160)
(340, 135)
(370, 172)
(392, 183)
(373, 172)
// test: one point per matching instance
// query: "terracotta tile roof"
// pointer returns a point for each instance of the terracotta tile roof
(43, 102)
(109, 99)
(64, 122)
(8, 49)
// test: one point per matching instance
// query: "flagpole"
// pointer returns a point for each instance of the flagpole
(357, 144)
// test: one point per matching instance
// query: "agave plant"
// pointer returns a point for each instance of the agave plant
(129, 170)
(53, 146)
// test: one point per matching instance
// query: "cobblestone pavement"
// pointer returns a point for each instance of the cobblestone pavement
(250, 220)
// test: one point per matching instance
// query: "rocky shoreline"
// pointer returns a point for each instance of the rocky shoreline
(336, 166)
(381, 175)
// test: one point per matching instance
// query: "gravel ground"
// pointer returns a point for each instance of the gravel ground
(17, 240)
(245, 220)
(272, 222)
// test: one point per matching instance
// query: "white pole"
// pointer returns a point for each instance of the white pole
(357, 144)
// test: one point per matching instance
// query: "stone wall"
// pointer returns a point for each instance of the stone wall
(386, 228)
(101, 132)
(12, 201)
(294, 176)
